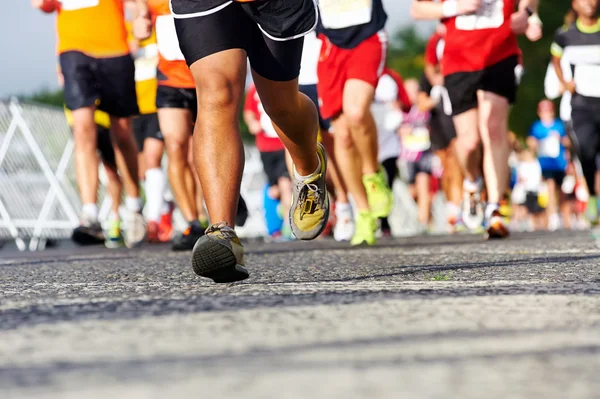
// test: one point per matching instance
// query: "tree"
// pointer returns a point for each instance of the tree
(406, 52)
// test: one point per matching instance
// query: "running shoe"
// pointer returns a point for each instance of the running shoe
(344, 226)
(165, 225)
(379, 195)
(472, 208)
(152, 232)
(89, 232)
(310, 206)
(496, 226)
(135, 229)
(114, 236)
(187, 239)
(366, 226)
(219, 255)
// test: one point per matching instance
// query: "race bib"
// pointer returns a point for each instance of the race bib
(549, 147)
(489, 15)
(586, 80)
(338, 14)
(71, 5)
(418, 140)
(166, 37)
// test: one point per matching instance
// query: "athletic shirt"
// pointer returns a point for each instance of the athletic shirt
(310, 59)
(347, 23)
(477, 41)
(172, 68)
(93, 27)
(434, 50)
(551, 152)
(267, 140)
(146, 60)
(581, 45)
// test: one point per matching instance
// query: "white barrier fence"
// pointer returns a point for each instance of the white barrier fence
(38, 190)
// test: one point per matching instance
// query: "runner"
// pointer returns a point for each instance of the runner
(177, 104)
(97, 66)
(216, 37)
(481, 85)
(579, 43)
(433, 98)
(352, 60)
(147, 132)
(308, 79)
(112, 236)
(272, 155)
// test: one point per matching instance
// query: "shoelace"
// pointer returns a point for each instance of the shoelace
(312, 193)
(221, 230)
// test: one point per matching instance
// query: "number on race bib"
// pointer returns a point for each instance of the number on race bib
(489, 15)
(166, 38)
(337, 14)
(71, 5)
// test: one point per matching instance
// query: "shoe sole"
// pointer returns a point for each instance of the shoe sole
(217, 262)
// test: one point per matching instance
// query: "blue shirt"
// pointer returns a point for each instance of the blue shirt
(551, 151)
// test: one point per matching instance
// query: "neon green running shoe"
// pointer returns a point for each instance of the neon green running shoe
(379, 195)
(113, 236)
(365, 228)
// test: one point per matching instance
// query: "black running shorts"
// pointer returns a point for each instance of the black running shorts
(109, 80)
(499, 79)
(175, 97)
(105, 147)
(274, 166)
(271, 33)
(146, 127)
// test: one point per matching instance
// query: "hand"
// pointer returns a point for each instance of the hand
(519, 22)
(467, 6)
(437, 80)
(570, 87)
(142, 27)
(534, 30)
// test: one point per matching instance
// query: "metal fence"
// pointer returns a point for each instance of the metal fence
(38, 189)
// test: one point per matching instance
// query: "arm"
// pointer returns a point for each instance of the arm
(424, 102)
(557, 50)
(142, 22)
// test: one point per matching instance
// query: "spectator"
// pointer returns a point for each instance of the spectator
(549, 139)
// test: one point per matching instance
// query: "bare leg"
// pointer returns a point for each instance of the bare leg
(423, 197)
(86, 156)
(126, 154)
(468, 144)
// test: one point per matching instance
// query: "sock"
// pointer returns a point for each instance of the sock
(164, 209)
(343, 209)
(452, 210)
(298, 177)
(472, 186)
(133, 204)
(91, 211)
(113, 216)
(203, 222)
(489, 209)
(155, 187)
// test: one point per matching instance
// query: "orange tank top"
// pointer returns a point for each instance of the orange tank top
(172, 68)
(94, 27)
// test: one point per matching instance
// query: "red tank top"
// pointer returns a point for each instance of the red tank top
(475, 42)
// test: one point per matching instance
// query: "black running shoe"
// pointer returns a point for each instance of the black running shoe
(89, 233)
(242, 212)
(186, 240)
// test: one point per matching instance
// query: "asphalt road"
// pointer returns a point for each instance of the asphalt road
(427, 317)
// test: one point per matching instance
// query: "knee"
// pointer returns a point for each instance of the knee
(343, 139)
(217, 93)
(356, 114)
(468, 143)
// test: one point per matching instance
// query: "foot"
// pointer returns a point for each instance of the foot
(379, 194)
(187, 239)
(344, 226)
(165, 226)
(364, 233)
(219, 255)
(496, 227)
(310, 206)
(114, 236)
(135, 229)
(472, 208)
(88, 233)
(152, 232)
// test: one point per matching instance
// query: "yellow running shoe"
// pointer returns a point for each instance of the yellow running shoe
(379, 195)
(364, 230)
(310, 206)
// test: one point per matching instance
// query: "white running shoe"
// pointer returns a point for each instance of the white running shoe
(134, 229)
(472, 207)
(344, 227)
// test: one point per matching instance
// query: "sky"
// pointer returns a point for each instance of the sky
(28, 44)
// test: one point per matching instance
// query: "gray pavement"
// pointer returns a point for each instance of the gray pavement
(425, 317)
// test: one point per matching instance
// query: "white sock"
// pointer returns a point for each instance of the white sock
(113, 216)
(91, 211)
(164, 209)
(472, 186)
(489, 209)
(133, 204)
(343, 209)
(155, 187)
(452, 210)
(298, 177)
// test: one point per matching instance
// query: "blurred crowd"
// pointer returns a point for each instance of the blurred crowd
(551, 182)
